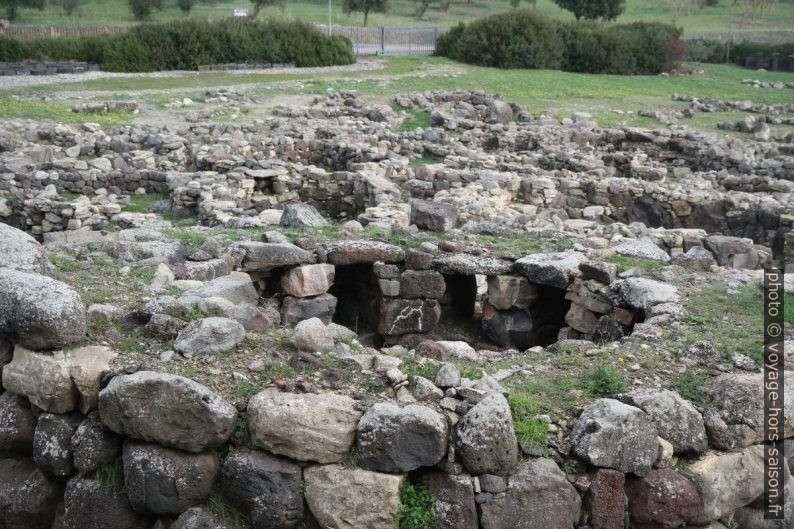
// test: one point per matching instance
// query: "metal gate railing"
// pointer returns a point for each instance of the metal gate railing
(388, 40)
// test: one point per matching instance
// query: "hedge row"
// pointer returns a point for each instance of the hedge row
(522, 39)
(714, 50)
(184, 45)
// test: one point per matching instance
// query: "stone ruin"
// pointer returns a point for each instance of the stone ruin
(571, 194)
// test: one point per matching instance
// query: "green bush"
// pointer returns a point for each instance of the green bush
(604, 381)
(702, 50)
(522, 39)
(416, 507)
(187, 44)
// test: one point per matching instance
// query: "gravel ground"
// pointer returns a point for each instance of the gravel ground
(26, 81)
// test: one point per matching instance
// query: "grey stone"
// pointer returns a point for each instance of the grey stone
(40, 312)
(610, 434)
(52, 443)
(197, 518)
(308, 280)
(434, 216)
(643, 248)
(263, 256)
(299, 215)
(454, 507)
(17, 425)
(19, 251)
(265, 488)
(469, 265)
(90, 504)
(641, 293)
(294, 310)
(208, 336)
(312, 335)
(553, 269)
(395, 439)
(167, 409)
(164, 481)
(93, 445)
(486, 441)
(361, 252)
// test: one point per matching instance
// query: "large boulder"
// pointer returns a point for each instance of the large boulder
(312, 335)
(422, 284)
(93, 445)
(264, 256)
(664, 499)
(454, 507)
(90, 504)
(641, 293)
(306, 427)
(361, 252)
(486, 440)
(164, 481)
(468, 265)
(208, 336)
(308, 280)
(539, 496)
(38, 311)
(727, 481)
(675, 418)
(395, 439)
(341, 498)
(433, 216)
(17, 425)
(20, 251)
(404, 316)
(299, 215)
(28, 498)
(52, 443)
(506, 292)
(236, 288)
(265, 488)
(167, 409)
(553, 269)
(610, 434)
(735, 418)
(643, 248)
(732, 252)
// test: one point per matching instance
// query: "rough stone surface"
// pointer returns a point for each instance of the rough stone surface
(605, 502)
(208, 336)
(433, 216)
(90, 504)
(395, 439)
(164, 481)
(197, 518)
(28, 499)
(486, 440)
(341, 498)
(611, 434)
(362, 252)
(538, 497)
(641, 293)
(553, 269)
(454, 507)
(20, 251)
(52, 444)
(676, 419)
(264, 488)
(305, 427)
(506, 292)
(167, 409)
(263, 256)
(312, 335)
(308, 280)
(93, 445)
(43, 378)
(664, 499)
(17, 425)
(299, 215)
(40, 312)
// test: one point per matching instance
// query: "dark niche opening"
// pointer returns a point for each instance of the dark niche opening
(357, 298)
(460, 298)
(548, 315)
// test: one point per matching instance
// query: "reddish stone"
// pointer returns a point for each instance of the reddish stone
(664, 499)
(623, 316)
(605, 502)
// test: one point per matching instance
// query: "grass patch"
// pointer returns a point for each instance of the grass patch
(246, 389)
(141, 203)
(604, 381)
(144, 273)
(111, 475)
(416, 509)
(192, 239)
(690, 386)
(527, 428)
(426, 159)
(218, 505)
(627, 263)
(50, 111)
(63, 264)
(417, 119)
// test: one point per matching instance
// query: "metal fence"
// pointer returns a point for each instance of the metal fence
(388, 40)
(35, 32)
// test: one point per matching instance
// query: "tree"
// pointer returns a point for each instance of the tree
(593, 9)
(70, 5)
(259, 5)
(141, 9)
(12, 6)
(185, 6)
(365, 6)
(423, 5)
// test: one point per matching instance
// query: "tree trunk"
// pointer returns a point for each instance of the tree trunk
(12, 10)
(366, 16)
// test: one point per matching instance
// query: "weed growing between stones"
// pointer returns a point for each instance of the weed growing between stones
(604, 381)
(416, 509)
(690, 386)
(528, 428)
(111, 475)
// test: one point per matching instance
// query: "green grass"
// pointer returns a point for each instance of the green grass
(60, 112)
(111, 475)
(604, 381)
(63, 264)
(141, 203)
(626, 263)
(690, 386)
(403, 12)
(416, 119)
(527, 428)
(416, 509)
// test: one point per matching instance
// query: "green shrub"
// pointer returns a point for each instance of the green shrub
(524, 409)
(604, 381)
(702, 50)
(690, 386)
(187, 44)
(416, 507)
(522, 39)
